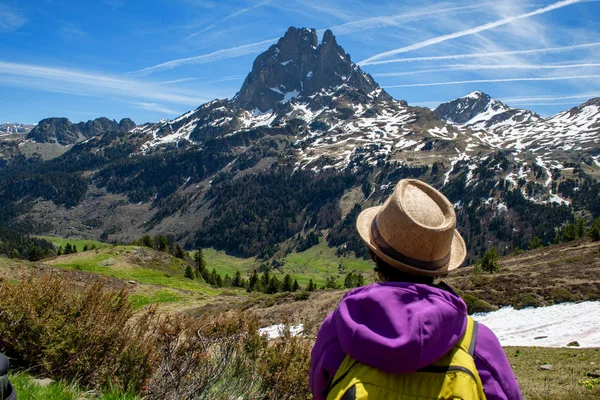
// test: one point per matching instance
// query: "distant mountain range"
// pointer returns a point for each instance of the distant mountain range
(308, 141)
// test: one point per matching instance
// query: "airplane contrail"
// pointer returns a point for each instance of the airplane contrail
(470, 31)
(488, 54)
(553, 78)
(350, 27)
(467, 67)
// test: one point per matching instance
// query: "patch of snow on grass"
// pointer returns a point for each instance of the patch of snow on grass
(560, 323)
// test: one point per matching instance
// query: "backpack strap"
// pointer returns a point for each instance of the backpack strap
(469, 339)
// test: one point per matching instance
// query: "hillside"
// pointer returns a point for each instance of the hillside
(308, 141)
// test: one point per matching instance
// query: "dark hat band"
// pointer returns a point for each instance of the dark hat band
(389, 251)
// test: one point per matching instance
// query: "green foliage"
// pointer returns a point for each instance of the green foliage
(595, 229)
(245, 224)
(489, 262)
(200, 261)
(14, 244)
(311, 286)
(475, 304)
(331, 283)
(189, 272)
(52, 321)
(287, 283)
(353, 280)
(535, 243)
(28, 389)
(295, 286)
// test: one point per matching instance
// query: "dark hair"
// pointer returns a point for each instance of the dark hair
(392, 274)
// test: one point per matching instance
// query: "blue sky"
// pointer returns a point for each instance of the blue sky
(158, 59)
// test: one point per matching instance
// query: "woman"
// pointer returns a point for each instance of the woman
(406, 323)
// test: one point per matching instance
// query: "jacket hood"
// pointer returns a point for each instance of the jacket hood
(399, 327)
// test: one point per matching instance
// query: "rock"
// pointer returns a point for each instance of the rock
(43, 382)
(546, 367)
(108, 262)
(539, 337)
(573, 344)
(298, 66)
(595, 374)
(131, 282)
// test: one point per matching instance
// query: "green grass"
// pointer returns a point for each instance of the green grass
(115, 261)
(80, 243)
(320, 261)
(316, 263)
(565, 381)
(27, 389)
(140, 300)
(226, 264)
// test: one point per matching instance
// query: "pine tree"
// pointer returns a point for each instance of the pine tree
(287, 284)
(68, 248)
(311, 286)
(274, 285)
(295, 286)
(237, 279)
(253, 282)
(200, 262)
(179, 253)
(535, 243)
(147, 241)
(227, 280)
(189, 272)
(161, 243)
(489, 262)
(74, 248)
(595, 229)
(85, 247)
(60, 251)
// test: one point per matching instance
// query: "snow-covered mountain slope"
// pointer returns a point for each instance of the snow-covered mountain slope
(15, 129)
(478, 110)
(337, 112)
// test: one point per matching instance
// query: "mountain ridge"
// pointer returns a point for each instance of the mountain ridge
(222, 175)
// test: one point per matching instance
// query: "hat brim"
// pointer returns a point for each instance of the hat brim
(458, 250)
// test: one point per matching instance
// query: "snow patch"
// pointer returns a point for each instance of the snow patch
(561, 324)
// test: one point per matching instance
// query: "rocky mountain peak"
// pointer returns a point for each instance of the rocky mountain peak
(298, 66)
(464, 109)
(64, 132)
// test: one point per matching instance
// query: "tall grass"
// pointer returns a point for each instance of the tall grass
(90, 335)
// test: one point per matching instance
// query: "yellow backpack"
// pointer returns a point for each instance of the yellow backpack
(453, 377)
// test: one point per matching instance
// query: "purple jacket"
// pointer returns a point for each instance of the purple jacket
(402, 327)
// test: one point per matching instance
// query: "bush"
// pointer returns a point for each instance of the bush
(489, 262)
(225, 357)
(476, 305)
(85, 335)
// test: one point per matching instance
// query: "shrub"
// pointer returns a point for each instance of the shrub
(87, 335)
(225, 357)
(489, 262)
(476, 305)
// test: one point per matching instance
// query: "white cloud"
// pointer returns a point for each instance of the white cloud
(157, 107)
(82, 83)
(471, 31)
(10, 20)
(547, 50)
(550, 78)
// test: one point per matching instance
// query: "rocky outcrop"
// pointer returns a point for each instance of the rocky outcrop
(64, 132)
(298, 66)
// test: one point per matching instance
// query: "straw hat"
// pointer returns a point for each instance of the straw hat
(414, 230)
